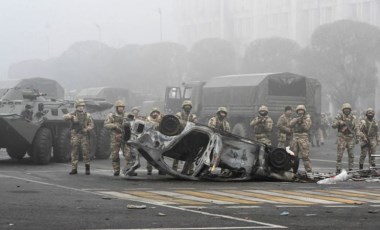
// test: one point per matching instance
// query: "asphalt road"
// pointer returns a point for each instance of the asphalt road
(47, 197)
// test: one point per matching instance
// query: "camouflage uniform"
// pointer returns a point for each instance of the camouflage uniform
(81, 124)
(348, 131)
(324, 128)
(370, 130)
(114, 122)
(284, 131)
(156, 123)
(300, 143)
(262, 126)
(185, 116)
(217, 123)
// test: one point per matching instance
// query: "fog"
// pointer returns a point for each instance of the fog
(40, 29)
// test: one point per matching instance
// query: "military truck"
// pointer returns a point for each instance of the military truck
(244, 94)
(31, 121)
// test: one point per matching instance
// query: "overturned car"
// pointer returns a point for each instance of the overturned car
(208, 154)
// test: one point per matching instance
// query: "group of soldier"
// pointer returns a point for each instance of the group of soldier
(293, 131)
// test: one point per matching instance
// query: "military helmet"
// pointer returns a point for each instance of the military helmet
(346, 106)
(79, 102)
(155, 109)
(187, 102)
(263, 108)
(119, 103)
(135, 108)
(299, 107)
(27, 106)
(370, 111)
(222, 109)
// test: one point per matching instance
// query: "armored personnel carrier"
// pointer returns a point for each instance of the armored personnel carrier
(31, 121)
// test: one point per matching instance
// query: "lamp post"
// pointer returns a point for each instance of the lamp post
(160, 13)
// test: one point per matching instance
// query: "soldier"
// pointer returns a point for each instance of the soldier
(370, 130)
(284, 130)
(154, 118)
(348, 131)
(114, 122)
(185, 115)
(135, 112)
(81, 125)
(324, 128)
(300, 143)
(219, 121)
(27, 113)
(262, 126)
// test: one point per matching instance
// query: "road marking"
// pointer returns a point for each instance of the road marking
(269, 198)
(126, 196)
(375, 205)
(263, 224)
(153, 196)
(360, 192)
(292, 206)
(217, 197)
(239, 196)
(340, 206)
(322, 197)
(241, 206)
(359, 197)
(295, 197)
(195, 207)
(182, 196)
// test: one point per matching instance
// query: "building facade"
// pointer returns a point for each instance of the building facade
(242, 21)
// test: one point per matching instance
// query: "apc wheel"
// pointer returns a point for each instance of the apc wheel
(103, 145)
(16, 152)
(240, 130)
(42, 146)
(62, 149)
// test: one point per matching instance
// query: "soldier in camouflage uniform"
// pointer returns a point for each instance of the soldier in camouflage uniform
(300, 143)
(81, 125)
(154, 118)
(370, 130)
(284, 130)
(185, 115)
(219, 121)
(114, 122)
(348, 132)
(262, 126)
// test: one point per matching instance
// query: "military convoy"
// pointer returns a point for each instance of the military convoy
(244, 94)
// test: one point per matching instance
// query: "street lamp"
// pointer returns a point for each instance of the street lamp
(159, 11)
(100, 31)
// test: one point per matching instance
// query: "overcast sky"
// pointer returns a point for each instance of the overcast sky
(45, 28)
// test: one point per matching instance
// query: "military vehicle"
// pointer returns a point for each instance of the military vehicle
(31, 121)
(244, 94)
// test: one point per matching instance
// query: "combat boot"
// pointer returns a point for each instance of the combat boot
(73, 171)
(116, 173)
(337, 171)
(149, 172)
(373, 165)
(87, 169)
(360, 166)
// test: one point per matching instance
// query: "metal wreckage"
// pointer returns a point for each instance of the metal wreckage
(208, 154)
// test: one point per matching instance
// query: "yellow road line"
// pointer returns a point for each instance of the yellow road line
(346, 193)
(153, 196)
(269, 197)
(217, 197)
(304, 193)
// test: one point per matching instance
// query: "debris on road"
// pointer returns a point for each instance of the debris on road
(161, 214)
(106, 198)
(373, 211)
(284, 213)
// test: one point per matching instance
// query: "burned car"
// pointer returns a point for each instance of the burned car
(208, 154)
